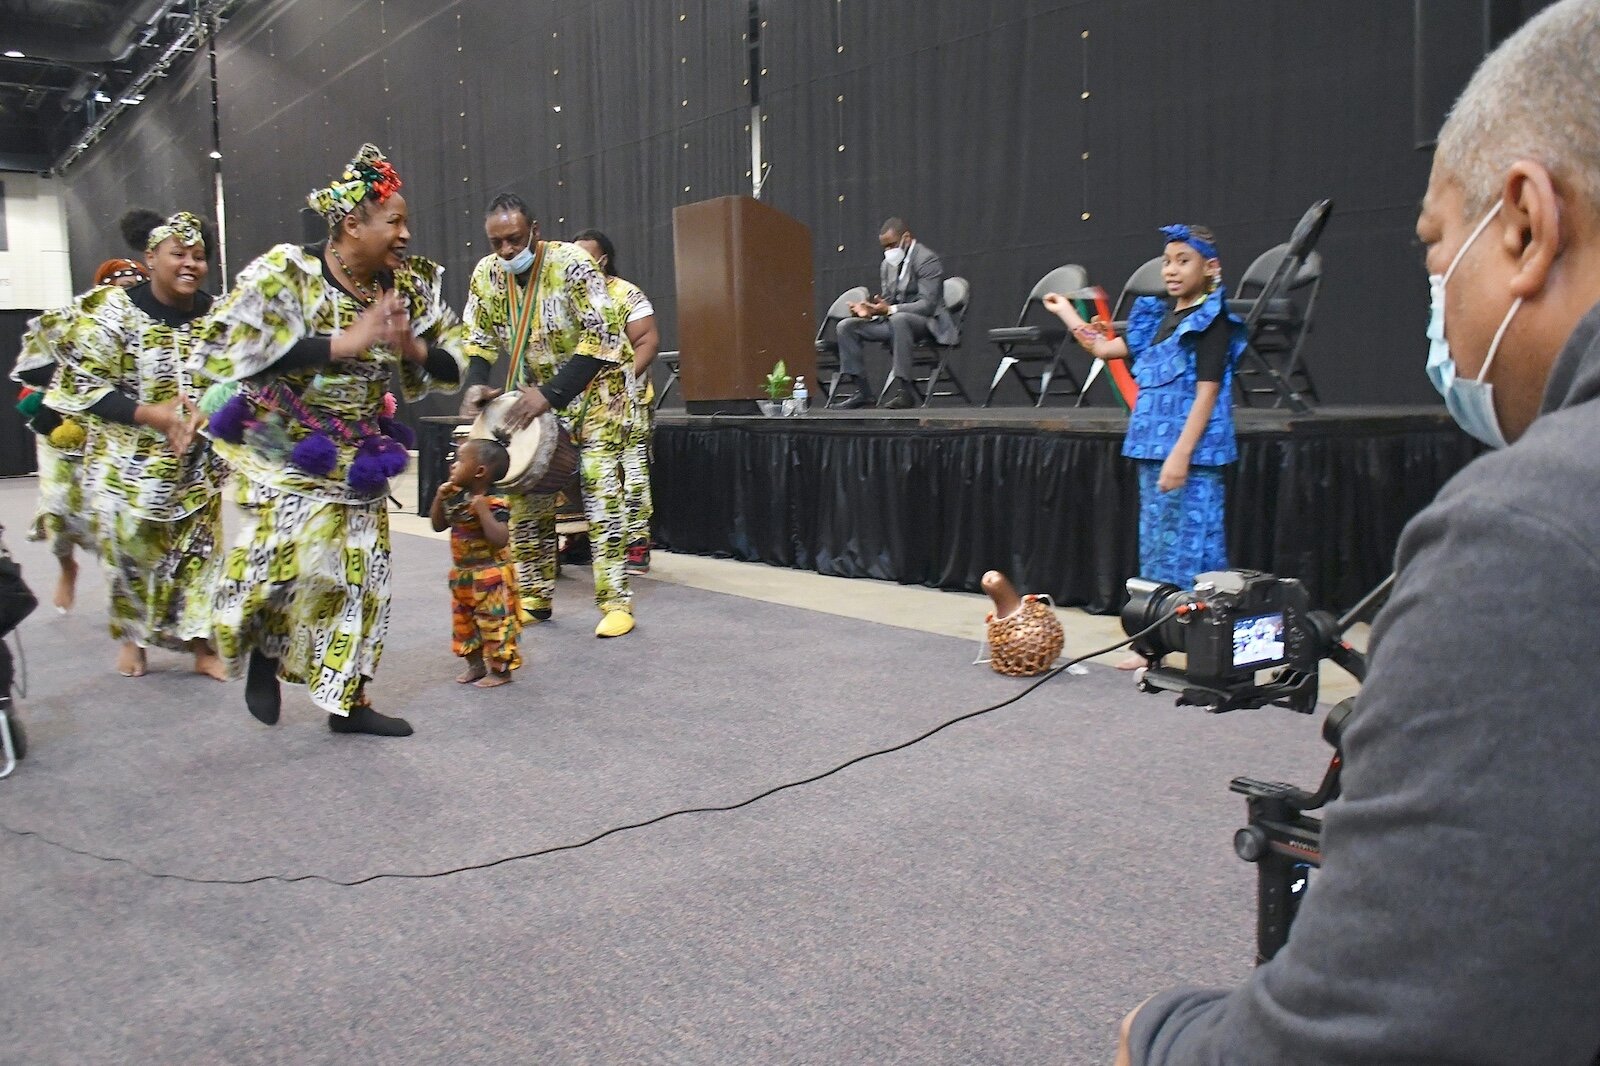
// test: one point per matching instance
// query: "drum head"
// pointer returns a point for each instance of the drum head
(530, 448)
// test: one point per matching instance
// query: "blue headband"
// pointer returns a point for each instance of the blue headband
(1181, 234)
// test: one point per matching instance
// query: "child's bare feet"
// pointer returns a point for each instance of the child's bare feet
(130, 662)
(208, 662)
(475, 669)
(495, 679)
(67, 585)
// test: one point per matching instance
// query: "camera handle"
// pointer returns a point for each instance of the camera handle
(1282, 840)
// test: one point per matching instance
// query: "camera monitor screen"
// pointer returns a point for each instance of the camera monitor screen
(1258, 639)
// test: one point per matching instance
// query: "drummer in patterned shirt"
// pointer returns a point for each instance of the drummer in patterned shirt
(546, 303)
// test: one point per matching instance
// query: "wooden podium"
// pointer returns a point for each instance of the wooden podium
(744, 301)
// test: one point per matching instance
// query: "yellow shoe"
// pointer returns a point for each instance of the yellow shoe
(614, 624)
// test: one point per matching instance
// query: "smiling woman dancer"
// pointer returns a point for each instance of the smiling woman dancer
(64, 517)
(154, 491)
(302, 350)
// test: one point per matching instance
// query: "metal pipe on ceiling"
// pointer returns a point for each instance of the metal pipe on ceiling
(208, 14)
(73, 45)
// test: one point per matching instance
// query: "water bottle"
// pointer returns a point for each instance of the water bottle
(800, 396)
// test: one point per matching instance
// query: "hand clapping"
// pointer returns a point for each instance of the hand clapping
(384, 323)
(178, 419)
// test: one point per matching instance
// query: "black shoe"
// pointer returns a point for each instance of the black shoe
(859, 400)
(363, 719)
(261, 695)
(542, 614)
(904, 397)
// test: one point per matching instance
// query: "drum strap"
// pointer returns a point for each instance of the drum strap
(522, 318)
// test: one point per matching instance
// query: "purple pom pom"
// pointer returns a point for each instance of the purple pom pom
(316, 455)
(228, 423)
(399, 431)
(366, 476)
(389, 456)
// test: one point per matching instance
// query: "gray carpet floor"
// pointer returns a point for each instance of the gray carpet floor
(1000, 893)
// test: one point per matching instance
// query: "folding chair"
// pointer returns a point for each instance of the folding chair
(1035, 349)
(827, 343)
(1281, 332)
(1272, 311)
(930, 353)
(1146, 281)
(670, 361)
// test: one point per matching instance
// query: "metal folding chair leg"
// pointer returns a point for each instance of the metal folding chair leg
(1094, 372)
(1006, 363)
(833, 388)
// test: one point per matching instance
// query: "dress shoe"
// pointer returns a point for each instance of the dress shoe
(902, 399)
(859, 400)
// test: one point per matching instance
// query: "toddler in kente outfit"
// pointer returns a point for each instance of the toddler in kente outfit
(483, 589)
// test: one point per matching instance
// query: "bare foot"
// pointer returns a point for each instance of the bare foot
(1133, 662)
(495, 679)
(475, 669)
(208, 662)
(130, 662)
(67, 585)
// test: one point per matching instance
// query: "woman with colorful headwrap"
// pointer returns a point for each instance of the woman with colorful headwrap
(63, 517)
(154, 490)
(302, 350)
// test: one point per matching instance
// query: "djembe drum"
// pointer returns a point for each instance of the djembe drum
(543, 457)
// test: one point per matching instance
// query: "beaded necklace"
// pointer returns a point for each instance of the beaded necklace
(365, 293)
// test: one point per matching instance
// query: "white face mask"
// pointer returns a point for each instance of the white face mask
(1470, 402)
(894, 255)
(520, 262)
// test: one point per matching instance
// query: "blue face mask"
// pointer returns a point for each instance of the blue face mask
(1469, 401)
(519, 263)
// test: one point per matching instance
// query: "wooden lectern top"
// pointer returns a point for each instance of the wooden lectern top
(745, 298)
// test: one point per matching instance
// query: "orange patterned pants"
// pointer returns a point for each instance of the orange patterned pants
(483, 615)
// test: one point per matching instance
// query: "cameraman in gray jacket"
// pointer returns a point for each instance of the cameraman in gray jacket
(1456, 918)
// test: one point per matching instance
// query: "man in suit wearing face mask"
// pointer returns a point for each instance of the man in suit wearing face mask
(1453, 919)
(909, 308)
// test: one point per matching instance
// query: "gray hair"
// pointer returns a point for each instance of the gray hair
(1536, 97)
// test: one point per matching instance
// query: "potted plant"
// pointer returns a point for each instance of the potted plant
(777, 387)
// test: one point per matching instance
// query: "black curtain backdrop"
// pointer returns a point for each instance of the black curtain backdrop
(1057, 512)
(1014, 135)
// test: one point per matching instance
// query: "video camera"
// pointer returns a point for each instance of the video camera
(1232, 624)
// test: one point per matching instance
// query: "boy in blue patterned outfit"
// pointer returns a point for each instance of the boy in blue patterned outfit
(1184, 349)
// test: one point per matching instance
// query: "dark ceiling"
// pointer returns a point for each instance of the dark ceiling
(69, 67)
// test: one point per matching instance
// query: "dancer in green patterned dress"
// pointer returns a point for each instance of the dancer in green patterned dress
(546, 303)
(154, 489)
(64, 517)
(302, 350)
(644, 340)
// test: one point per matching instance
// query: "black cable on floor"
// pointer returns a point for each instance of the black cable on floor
(520, 856)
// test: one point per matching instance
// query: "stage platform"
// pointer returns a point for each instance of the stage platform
(938, 496)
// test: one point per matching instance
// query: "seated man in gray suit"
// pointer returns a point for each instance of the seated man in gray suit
(909, 308)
